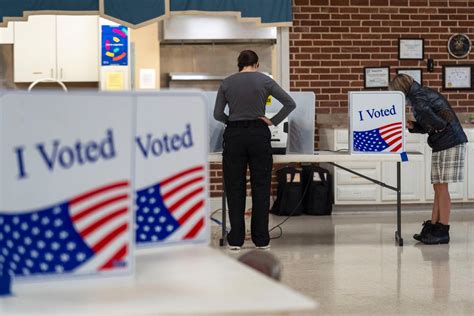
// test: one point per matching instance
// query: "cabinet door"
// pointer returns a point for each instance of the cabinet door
(35, 49)
(78, 48)
(413, 177)
(470, 170)
(350, 188)
(456, 190)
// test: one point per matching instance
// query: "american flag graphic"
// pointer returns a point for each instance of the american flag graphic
(387, 138)
(173, 209)
(85, 234)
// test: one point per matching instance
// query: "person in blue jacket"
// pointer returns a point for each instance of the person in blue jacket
(435, 117)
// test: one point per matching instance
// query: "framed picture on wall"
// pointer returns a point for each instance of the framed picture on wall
(415, 73)
(458, 77)
(411, 48)
(376, 77)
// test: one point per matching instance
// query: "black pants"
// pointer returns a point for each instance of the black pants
(248, 143)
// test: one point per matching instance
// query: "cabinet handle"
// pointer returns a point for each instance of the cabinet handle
(61, 73)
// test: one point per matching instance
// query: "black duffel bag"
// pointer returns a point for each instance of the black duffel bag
(318, 199)
(289, 193)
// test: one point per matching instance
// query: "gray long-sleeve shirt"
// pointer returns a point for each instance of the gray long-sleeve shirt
(246, 93)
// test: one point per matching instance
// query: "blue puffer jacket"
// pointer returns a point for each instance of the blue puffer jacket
(435, 116)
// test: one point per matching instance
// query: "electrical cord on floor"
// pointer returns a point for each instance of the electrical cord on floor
(291, 214)
(288, 216)
(215, 220)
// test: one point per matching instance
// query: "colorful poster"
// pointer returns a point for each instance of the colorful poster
(66, 187)
(114, 45)
(377, 122)
(171, 169)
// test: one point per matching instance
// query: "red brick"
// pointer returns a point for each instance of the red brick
(379, 2)
(340, 2)
(360, 2)
(399, 3)
(319, 2)
(331, 23)
(369, 10)
(301, 2)
(409, 11)
(463, 3)
(418, 3)
(340, 16)
(349, 10)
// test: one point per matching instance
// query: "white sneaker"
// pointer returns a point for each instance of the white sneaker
(234, 248)
(263, 247)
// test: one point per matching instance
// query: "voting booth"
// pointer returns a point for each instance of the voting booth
(171, 169)
(300, 137)
(377, 122)
(66, 185)
(87, 177)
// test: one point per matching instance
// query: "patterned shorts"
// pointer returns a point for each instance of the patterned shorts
(447, 166)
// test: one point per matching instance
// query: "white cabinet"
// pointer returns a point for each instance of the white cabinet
(412, 175)
(59, 47)
(35, 49)
(78, 48)
(351, 187)
(416, 175)
(6, 34)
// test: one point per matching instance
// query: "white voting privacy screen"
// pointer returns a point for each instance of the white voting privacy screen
(66, 185)
(301, 123)
(171, 168)
(377, 122)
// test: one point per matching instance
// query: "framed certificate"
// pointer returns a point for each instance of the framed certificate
(415, 73)
(411, 48)
(458, 77)
(376, 77)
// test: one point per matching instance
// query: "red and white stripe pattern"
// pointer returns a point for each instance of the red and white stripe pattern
(392, 135)
(184, 196)
(102, 217)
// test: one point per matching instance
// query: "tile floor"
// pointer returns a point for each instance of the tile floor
(350, 265)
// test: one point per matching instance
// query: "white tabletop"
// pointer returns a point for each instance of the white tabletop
(187, 280)
(331, 156)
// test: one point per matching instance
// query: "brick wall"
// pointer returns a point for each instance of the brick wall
(331, 41)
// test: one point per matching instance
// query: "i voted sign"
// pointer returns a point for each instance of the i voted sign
(377, 122)
(171, 169)
(66, 185)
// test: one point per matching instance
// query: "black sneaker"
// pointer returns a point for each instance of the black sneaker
(439, 234)
(427, 226)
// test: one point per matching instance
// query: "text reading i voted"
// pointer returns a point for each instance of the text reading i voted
(377, 113)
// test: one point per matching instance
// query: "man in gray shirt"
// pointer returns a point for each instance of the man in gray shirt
(247, 143)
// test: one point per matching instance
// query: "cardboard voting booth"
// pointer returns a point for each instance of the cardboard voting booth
(66, 185)
(171, 169)
(86, 177)
(377, 122)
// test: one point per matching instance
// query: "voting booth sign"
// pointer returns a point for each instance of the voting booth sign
(171, 169)
(66, 185)
(377, 122)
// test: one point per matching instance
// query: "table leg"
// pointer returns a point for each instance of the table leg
(398, 233)
(223, 240)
